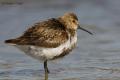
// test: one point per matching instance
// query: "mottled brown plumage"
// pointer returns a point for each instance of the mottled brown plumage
(50, 34)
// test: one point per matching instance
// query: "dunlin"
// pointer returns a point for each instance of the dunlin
(50, 39)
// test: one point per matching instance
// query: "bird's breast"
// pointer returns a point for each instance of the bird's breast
(43, 53)
(67, 47)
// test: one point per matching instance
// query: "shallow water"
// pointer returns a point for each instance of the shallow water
(96, 57)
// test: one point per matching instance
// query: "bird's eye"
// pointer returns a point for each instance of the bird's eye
(73, 21)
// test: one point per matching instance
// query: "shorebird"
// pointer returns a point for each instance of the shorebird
(50, 39)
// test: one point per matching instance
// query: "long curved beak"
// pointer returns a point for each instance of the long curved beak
(84, 30)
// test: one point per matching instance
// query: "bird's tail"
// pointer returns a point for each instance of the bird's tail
(10, 41)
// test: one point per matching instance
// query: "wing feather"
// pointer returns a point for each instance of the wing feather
(48, 34)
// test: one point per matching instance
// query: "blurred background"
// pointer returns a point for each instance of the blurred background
(96, 57)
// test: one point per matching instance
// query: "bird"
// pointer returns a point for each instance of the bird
(51, 39)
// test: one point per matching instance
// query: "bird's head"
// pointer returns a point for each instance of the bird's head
(71, 22)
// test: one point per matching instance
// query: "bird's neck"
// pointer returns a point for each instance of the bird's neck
(72, 32)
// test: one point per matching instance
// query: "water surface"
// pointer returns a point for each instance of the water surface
(96, 57)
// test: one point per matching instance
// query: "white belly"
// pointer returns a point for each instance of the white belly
(42, 53)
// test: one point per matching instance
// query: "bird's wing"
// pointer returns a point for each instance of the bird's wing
(48, 34)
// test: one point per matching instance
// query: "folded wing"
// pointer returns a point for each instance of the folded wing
(48, 34)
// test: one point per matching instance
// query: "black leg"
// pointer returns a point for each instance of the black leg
(45, 67)
(46, 70)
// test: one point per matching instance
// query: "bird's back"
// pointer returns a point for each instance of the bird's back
(50, 34)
